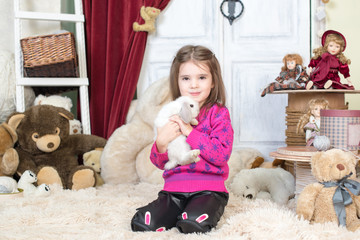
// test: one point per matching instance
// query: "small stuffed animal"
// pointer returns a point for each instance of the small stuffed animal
(75, 126)
(179, 151)
(9, 158)
(335, 198)
(8, 185)
(149, 14)
(276, 184)
(26, 183)
(46, 148)
(92, 159)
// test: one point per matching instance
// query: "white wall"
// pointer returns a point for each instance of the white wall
(29, 28)
(343, 16)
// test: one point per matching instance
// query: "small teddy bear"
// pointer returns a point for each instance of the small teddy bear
(275, 184)
(335, 197)
(149, 14)
(92, 159)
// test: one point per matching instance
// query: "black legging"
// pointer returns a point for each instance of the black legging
(189, 212)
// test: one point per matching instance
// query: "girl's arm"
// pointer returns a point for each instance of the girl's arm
(165, 135)
(215, 147)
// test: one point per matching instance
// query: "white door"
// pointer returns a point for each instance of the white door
(250, 52)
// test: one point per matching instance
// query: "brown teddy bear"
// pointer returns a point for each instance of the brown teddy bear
(9, 158)
(149, 14)
(333, 198)
(46, 148)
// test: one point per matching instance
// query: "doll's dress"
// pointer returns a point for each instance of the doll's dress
(297, 75)
(327, 67)
(314, 127)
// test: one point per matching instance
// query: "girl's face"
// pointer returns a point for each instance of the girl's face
(195, 81)
(333, 48)
(290, 64)
(316, 110)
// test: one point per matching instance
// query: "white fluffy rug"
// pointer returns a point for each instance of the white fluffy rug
(105, 213)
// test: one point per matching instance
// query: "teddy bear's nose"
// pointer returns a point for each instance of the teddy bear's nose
(340, 167)
(50, 145)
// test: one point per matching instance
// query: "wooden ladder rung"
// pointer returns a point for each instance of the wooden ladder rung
(49, 16)
(46, 81)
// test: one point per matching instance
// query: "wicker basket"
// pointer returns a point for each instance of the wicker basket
(50, 56)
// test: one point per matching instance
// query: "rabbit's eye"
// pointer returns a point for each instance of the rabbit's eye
(191, 105)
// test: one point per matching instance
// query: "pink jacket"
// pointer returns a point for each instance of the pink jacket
(213, 136)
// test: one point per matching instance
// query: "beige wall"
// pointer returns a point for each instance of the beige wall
(343, 16)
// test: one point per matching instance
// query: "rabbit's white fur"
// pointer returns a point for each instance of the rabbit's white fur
(179, 151)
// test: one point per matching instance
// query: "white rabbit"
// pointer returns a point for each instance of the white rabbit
(179, 151)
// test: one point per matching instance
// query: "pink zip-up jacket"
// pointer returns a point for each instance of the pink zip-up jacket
(213, 136)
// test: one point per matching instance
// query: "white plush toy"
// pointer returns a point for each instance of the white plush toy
(64, 102)
(8, 185)
(276, 184)
(26, 183)
(8, 86)
(179, 151)
(125, 157)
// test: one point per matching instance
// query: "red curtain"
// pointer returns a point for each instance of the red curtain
(114, 57)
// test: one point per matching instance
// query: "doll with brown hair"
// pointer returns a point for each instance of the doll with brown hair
(292, 71)
(292, 75)
(328, 61)
(310, 121)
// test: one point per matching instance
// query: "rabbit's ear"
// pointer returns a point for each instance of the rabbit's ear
(185, 112)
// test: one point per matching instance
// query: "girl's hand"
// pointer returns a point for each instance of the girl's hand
(185, 128)
(166, 134)
(349, 82)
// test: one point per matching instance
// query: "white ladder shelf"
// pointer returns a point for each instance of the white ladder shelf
(82, 82)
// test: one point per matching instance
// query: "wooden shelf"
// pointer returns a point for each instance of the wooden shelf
(316, 91)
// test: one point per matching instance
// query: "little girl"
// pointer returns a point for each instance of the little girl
(328, 61)
(310, 121)
(194, 196)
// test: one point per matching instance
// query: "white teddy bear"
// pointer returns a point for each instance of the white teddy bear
(64, 102)
(275, 184)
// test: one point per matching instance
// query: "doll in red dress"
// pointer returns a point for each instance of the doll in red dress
(328, 61)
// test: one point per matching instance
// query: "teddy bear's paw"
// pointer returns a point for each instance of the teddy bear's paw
(353, 226)
(48, 175)
(83, 178)
(10, 162)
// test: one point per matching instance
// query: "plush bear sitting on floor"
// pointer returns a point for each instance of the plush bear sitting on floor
(275, 184)
(9, 159)
(92, 159)
(335, 197)
(46, 148)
